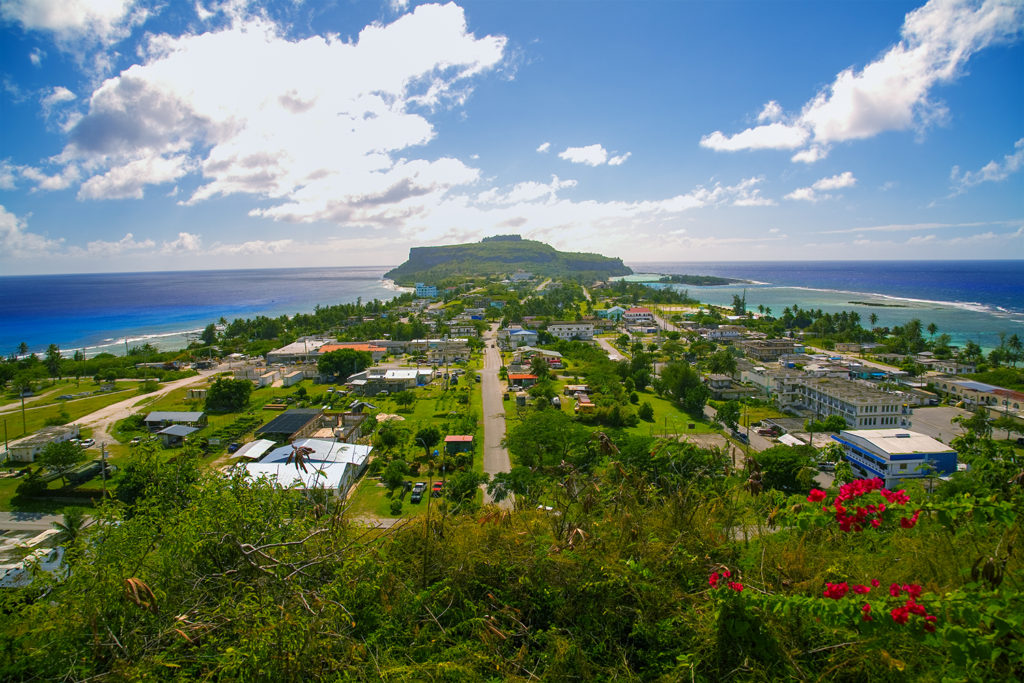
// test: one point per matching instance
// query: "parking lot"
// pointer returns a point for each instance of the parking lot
(936, 422)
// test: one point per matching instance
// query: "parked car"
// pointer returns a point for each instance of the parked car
(88, 443)
(232, 447)
(740, 436)
(135, 442)
(417, 492)
(436, 491)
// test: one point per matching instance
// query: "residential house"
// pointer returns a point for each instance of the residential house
(375, 350)
(305, 350)
(329, 465)
(157, 420)
(458, 443)
(291, 424)
(613, 313)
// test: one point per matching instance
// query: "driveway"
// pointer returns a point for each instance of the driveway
(495, 455)
(613, 353)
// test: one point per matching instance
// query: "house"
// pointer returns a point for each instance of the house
(373, 381)
(974, 393)
(723, 388)
(767, 350)
(304, 350)
(26, 450)
(522, 379)
(330, 466)
(514, 337)
(291, 424)
(157, 420)
(952, 367)
(425, 291)
(458, 443)
(895, 454)
(638, 315)
(254, 450)
(571, 330)
(464, 330)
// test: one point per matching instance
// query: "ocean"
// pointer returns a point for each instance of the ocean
(974, 300)
(100, 312)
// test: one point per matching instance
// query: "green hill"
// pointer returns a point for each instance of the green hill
(505, 254)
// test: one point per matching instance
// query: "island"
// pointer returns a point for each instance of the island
(502, 254)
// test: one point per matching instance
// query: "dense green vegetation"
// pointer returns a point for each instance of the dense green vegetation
(494, 257)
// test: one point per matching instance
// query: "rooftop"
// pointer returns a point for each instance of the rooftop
(898, 441)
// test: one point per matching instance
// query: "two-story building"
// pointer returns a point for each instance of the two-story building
(895, 454)
(572, 330)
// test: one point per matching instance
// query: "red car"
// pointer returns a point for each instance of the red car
(436, 491)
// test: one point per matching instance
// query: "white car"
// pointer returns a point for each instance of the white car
(88, 443)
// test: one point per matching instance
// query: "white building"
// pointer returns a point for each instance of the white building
(425, 291)
(638, 314)
(331, 466)
(895, 454)
(26, 450)
(571, 330)
(861, 405)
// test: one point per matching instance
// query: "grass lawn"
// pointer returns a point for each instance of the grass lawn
(372, 500)
(35, 418)
(668, 419)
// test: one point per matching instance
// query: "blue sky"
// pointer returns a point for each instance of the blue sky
(145, 135)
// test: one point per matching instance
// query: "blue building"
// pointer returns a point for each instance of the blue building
(895, 454)
(425, 291)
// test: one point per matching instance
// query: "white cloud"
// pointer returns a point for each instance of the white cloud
(992, 172)
(55, 96)
(324, 132)
(8, 175)
(251, 248)
(772, 112)
(16, 242)
(103, 20)
(811, 194)
(102, 248)
(61, 180)
(836, 182)
(811, 154)
(893, 92)
(591, 155)
(544, 147)
(36, 56)
(525, 192)
(186, 242)
(129, 181)
(770, 136)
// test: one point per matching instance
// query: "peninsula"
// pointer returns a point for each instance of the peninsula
(502, 254)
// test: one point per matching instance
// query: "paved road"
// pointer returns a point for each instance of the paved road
(757, 442)
(28, 521)
(495, 455)
(613, 353)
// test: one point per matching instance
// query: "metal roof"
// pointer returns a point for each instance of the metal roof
(290, 421)
(172, 416)
(178, 430)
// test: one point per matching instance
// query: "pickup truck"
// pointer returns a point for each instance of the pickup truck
(417, 492)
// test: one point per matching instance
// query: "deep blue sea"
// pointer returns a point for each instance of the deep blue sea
(99, 312)
(966, 299)
(974, 300)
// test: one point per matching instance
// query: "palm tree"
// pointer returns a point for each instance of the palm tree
(873, 318)
(1014, 344)
(932, 329)
(22, 349)
(71, 528)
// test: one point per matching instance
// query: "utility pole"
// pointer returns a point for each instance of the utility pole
(103, 467)
(24, 429)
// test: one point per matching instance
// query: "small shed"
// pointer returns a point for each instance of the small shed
(175, 435)
(458, 443)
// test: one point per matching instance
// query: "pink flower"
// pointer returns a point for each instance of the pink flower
(912, 589)
(894, 590)
(860, 589)
(866, 612)
(816, 496)
(738, 587)
(726, 573)
(713, 580)
(876, 583)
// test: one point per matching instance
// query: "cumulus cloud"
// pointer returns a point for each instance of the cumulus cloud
(103, 20)
(252, 248)
(544, 147)
(992, 172)
(61, 180)
(772, 112)
(36, 56)
(17, 242)
(129, 181)
(325, 132)
(186, 242)
(894, 91)
(54, 97)
(101, 248)
(818, 191)
(593, 155)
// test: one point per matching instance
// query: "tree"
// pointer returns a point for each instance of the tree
(394, 474)
(404, 399)
(645, 412)
(343, 362)
(547, 438)
(1007, 423)
(977, 423)
(932, 329)
(71, 527)
(722, 362)
(462, 486)
(53, 360)
(681, 382)
(521, 481)
(428, 437)
(209, 335)
(22, 349)
(61, 457)
(729, 414)
(228, 395)
(873, 318)
(787, 468)
(539, 366)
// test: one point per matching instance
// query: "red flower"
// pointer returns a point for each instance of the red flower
(894, 590)
(713, 580)
(929, 623)
(835, 591)
(866, 612)
(876, 583)
(738, 587)
(912, 589)
(900, 615)
(816, 496)
(876, 522)
(858, 588)
(726, 573)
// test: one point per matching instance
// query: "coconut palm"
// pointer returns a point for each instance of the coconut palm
(71, 528)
